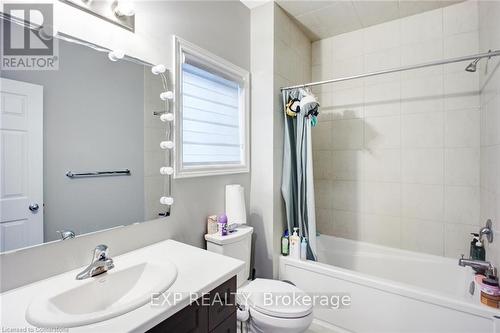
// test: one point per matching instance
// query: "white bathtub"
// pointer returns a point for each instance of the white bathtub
(391, 290)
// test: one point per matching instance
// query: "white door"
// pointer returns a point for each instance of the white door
(21, 164)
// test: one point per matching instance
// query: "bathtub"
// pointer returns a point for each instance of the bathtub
(391, 290)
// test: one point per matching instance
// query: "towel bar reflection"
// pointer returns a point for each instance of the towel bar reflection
(71, 174)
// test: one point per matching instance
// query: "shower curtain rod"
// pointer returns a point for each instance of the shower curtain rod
(399, 69)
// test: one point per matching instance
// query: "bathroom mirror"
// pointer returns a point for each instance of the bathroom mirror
(80, 146)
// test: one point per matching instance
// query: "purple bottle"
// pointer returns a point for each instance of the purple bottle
(222, 221)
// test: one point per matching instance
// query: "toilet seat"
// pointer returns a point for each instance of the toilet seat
(276, 299)
(260, 322)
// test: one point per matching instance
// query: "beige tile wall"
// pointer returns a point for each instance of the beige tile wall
(281, 56)
(489, 38)
(397, 156)
(292, 52)
(292, 65)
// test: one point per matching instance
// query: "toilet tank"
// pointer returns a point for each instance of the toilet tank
(237, 244)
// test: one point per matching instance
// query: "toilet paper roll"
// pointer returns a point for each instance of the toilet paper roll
(235, 204)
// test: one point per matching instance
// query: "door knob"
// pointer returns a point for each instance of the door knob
(34, 207)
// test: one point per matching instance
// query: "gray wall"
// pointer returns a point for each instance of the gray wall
(222, 27)
(262, 167)
(93, 120)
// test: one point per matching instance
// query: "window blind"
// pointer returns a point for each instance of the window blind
(211, 133)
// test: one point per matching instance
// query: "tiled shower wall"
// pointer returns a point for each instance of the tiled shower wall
(280, 56)
(292, 65)
(397, 156)
(489, 38)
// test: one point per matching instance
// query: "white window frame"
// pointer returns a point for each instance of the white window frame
(223, 66)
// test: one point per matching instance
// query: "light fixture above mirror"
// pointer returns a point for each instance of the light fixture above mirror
(124, 8)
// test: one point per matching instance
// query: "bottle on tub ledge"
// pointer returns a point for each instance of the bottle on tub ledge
(285, 244)
(295, 244)
(490, 289)
(303, 249)
(477, 251)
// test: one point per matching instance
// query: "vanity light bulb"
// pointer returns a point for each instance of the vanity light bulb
(158, 69)
(166, 170)
(167, 201)
(124, 8)
(116, 55)
(166, 95)
(166, 145)
(167, 117)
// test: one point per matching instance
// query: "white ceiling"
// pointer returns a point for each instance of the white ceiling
(327, 18)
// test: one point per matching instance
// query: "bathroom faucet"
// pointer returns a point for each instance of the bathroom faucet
(66, 234)
(100, 263)
(478, 265)
(486, 231)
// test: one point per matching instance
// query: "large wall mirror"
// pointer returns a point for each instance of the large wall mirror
(80, 146)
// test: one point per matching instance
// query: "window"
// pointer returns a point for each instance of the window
(212, 105)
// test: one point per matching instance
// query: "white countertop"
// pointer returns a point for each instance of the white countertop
(199, 271)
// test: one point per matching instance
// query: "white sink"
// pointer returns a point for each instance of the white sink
(81, 302)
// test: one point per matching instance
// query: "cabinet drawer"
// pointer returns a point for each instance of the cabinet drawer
(222, 301)
(218, 316)
(227, 326)
(191, 319)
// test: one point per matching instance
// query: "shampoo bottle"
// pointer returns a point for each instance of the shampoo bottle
(295, 244)
(475, 239)
(477, 251)
(285, 243)
(303, 249)
(480, 252)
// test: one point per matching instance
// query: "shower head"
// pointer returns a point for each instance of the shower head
(472, 67)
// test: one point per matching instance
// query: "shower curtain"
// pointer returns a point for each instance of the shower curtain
(297, 186)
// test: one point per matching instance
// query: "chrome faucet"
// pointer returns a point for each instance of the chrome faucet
(486, 231)
(66, 234)
(100, 263)
(478, 265)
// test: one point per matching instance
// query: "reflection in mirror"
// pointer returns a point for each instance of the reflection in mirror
(92, 115)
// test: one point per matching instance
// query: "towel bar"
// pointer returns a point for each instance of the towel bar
(71, 174)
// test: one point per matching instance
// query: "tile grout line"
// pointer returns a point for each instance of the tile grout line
(400, 79)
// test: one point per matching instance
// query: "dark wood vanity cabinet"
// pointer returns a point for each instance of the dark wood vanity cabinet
(211, 313)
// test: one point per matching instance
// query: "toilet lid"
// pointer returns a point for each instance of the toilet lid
(276, 298)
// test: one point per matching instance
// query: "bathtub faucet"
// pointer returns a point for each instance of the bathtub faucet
(484, 266)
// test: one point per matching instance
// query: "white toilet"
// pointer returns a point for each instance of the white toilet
(267, 300)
